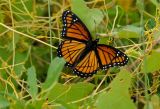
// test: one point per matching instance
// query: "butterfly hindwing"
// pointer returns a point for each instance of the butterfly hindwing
(110, 56)
(74, 28)
(88, 65)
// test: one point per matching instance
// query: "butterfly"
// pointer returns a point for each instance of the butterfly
(83, 54)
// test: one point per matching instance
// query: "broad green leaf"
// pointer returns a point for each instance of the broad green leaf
(90, 17)
(118, 95)
(104, 40)
(151, 63)
(53, 73)
(20, 59)
(38, 104)
(3, 102)
(130, 31)
(81, 5)
(155, 2)
(64, 105)
(32, 82)
(4, 54)
(57, 91)
(68, 93)
(29, 106)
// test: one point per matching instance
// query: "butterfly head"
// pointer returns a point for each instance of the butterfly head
(95, 42)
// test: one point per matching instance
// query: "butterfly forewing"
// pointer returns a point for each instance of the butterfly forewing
(74, 28)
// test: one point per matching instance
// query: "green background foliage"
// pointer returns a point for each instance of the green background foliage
(33, 77)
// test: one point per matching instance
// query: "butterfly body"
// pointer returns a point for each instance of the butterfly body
(84, 55)
(92, 45)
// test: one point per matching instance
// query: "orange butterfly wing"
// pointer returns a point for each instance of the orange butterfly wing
(73, 28)
(70, 50)
(110, 56)
(76, 35)
(103, 58)
(88, 65)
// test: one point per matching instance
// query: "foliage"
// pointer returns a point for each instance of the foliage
(33, 77)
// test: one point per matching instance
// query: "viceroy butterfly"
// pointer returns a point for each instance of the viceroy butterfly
(84, 55)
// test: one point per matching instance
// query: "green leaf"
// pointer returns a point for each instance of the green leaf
(53, 73)
(64, 105)
(90, 17)
(38, 104)
(118, 96)
(3, 102)
(151, 63)
(32, 82)
(130, 31)
(71, 92)
(4, 54)
(20, 58)
(155, 2)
